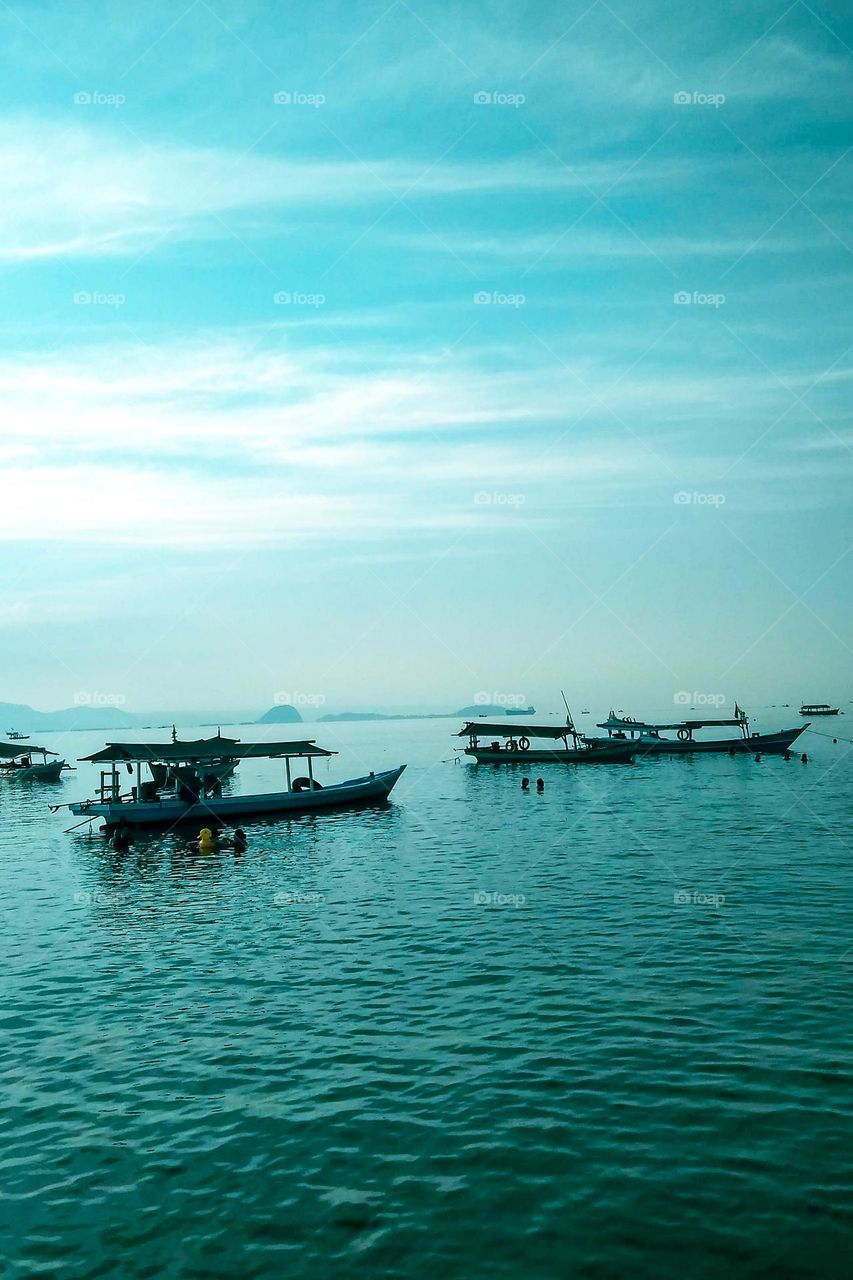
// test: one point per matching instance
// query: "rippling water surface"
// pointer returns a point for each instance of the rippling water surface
(602, 1031)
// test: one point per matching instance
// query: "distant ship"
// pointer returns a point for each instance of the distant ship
(810, 709)
(520, 711)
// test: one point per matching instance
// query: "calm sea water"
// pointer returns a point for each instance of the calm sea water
(604, 1031)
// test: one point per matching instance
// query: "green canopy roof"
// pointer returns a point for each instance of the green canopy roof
(620, 722)
(11, 750)
(519, 729)
(201, 751)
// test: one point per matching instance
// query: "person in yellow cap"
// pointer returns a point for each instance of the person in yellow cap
(206, 840)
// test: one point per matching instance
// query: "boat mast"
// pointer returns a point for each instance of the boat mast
(570, 724)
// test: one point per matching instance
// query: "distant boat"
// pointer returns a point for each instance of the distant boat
(17, 737)
(818, 709)
(648, 739)
(520, 711)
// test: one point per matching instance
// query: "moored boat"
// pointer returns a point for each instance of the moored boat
(185, 799)
(516, 745)
(819, 709)
(649, 739)
(30, 764)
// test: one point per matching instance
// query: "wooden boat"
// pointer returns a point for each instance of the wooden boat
(17, 737)
(516, 747)
(818, 709)
(149, 805)
(649, 739)
(30, 764)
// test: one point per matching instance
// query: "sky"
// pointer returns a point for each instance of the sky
(409, 355)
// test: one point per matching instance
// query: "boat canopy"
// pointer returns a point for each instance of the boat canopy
(620, 722)
(202, 751)
(10, 752)
(483, 728)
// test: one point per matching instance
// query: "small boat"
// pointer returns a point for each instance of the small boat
(183, 800)
(818, 709)
(17, 737)
(648, 739)
(30, 764)
(516, 748)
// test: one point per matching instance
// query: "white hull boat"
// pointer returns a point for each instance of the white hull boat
(168, 810)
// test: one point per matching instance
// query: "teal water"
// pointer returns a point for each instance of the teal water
(604, 1031)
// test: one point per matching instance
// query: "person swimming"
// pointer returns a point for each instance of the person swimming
(121, 839)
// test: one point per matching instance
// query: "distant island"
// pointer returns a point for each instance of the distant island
(284, 714)
(466, 713)
(18, 717)
(474, 713)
